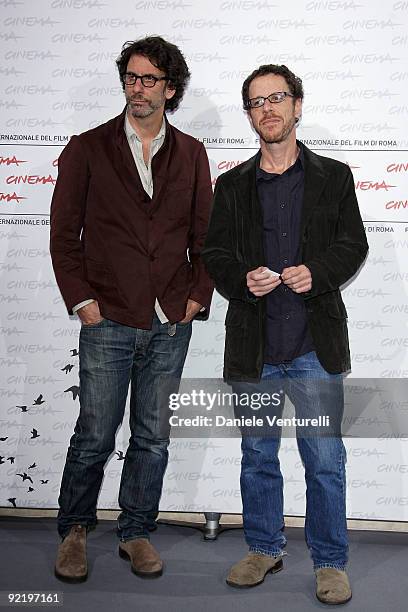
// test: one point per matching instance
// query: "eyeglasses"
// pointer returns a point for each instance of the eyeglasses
(147, 80)
(273, 98)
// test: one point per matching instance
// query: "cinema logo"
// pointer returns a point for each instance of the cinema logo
(368, 58)
(332, 40)
(281, 58)
(198, 24)
(366, 94)
(246, 39)
(77, 106)
(77, 73)
(11, 198)
(397, 167)
(329, 109)
(111, 23)
(246, 5)
(77, 4)
(373, 185)
(161, 5)
(31, 55)
(332, 5)
(370, 127)
(29, 22)
(11, 160)
(370, 24)
(30, 179)
(77, 38)
(330, 75)
(397, 205)
(202, 92)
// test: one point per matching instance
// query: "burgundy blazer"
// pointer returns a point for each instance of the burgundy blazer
(111, 242)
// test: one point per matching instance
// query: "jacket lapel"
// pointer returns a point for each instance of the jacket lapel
(160, 164)
(125, 166)
(315, 180)
(250, 207)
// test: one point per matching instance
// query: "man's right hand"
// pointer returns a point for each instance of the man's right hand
(261, 281)
(90, 314)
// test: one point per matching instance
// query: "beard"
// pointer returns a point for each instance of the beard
(145, 110)
(276, 133)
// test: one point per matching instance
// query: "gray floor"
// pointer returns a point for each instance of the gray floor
(194, 578)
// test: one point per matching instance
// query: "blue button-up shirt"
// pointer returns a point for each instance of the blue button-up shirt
(281, 198)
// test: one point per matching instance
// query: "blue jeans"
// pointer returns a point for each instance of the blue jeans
(313, 392)
(111, 356)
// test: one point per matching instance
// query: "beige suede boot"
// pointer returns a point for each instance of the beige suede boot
(252, 569)
(144, 558)
(71, 564)
(332, 586)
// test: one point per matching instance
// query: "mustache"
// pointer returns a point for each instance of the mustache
(138, 98)
(269, 117)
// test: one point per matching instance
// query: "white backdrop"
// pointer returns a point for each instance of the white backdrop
(58, 78)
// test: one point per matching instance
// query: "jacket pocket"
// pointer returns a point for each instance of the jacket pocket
(178, 201)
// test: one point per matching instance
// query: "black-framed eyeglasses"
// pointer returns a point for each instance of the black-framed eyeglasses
(274, 98)
(147, 80)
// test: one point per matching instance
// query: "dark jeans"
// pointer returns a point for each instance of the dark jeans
(313, 393)
(111, 356)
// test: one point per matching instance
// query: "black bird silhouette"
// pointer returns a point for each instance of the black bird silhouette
(30, 489)
(43, 481)
(74, 390)
(74, 352)
(11, 459)
(2, 460)
(3, 439)
(39, 400)
(34, 434)
(33, 465)
(120, 455)
(25, 476)
(67, 368)
(23, 408)
(12, 500)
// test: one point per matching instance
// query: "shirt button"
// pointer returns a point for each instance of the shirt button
(286, 289)
(282, 205)
(285, 261)
(287, 317)
(284, 234)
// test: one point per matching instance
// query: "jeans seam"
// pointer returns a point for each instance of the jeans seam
(268, 553)
(339, 566)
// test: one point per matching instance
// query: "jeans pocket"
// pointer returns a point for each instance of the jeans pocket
(90, 325)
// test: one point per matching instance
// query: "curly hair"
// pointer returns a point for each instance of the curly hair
(294, 83)
(165, 56)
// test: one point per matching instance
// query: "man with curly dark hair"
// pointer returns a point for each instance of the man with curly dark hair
(128, 221)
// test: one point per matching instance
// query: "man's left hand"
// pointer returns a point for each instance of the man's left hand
(297, 278)
(192, 309)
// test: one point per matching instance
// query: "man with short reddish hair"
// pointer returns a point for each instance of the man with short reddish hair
(285, 234)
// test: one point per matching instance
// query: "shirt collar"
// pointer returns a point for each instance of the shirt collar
(130, 132)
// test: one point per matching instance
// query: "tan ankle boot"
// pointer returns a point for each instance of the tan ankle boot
(332, 586)
(144, 558)
(71, 564)
(252, 569)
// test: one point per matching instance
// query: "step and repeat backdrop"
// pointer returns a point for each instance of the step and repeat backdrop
(58, 78)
